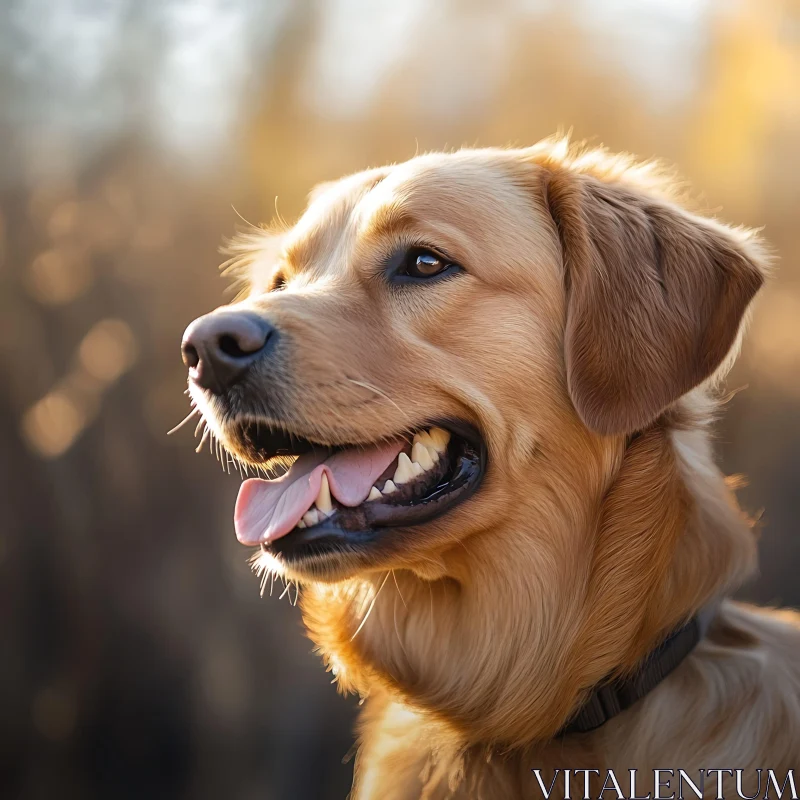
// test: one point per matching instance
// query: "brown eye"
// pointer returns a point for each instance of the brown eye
(421, 263)
(427, 264)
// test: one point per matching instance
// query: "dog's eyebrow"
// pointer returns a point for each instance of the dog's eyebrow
(297, 252)
(302, 250)
(386, 220)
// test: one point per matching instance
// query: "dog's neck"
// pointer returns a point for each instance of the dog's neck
(505, 647)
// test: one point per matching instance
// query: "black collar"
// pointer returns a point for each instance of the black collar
(610, 698)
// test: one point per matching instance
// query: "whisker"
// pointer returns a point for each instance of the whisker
(183, 421)
(206, 434)
(246, 221)
(264, 577)
(397, 586)
(396, 629)
(371, 606)
(278, 214)
(380, 392)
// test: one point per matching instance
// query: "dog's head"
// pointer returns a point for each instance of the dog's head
(443, 347)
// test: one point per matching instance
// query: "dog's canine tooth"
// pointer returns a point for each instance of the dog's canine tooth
(389, 487)
(440, 438)
(374, 494)
(311, 517)
(417, 469)
(420, 454)
(323, 501)
(424, 438)
(404, 472)
(300, 524)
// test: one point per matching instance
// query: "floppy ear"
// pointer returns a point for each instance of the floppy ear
(656, 297)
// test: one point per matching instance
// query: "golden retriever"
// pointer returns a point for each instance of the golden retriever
(490, 374)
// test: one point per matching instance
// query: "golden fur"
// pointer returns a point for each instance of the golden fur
(585, 341)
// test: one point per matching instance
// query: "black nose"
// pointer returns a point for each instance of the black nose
(219, 347)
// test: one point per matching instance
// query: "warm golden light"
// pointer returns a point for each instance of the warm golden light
(58, 276)
(108, 350)
(775, 342)
(53, 424)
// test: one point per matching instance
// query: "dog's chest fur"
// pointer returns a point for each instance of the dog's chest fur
(744, 677)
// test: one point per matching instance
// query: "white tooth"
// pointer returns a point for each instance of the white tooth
(424, 438)
(440, 438)
(389, 487)
(374, 494)
(300, 524)
(416, 469)
(323, 500)
(420, 454)
(311, 517)
(404, 473)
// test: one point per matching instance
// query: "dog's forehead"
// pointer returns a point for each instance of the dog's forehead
(472, 194)
(331, 205)
(439, 182)
(327, 219)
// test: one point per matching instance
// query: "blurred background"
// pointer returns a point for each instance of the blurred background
(137, 659)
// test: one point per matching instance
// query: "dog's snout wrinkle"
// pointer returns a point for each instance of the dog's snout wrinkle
(220, 347)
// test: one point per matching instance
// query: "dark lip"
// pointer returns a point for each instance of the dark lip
(372, 523)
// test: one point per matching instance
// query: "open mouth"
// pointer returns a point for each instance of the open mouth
(335, 496)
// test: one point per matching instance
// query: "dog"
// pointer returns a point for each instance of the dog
(483, 383)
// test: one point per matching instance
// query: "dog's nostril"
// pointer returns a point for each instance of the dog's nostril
(190, 355)
(231, 347)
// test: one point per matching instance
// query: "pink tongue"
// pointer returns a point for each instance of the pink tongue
(267, 510)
